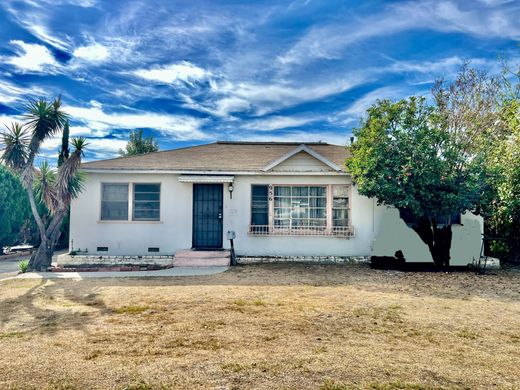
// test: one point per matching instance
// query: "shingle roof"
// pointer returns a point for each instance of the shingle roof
(218, 156)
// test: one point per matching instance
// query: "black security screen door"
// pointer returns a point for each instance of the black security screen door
(207, 216)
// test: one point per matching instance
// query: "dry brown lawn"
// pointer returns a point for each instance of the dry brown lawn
(264, 327)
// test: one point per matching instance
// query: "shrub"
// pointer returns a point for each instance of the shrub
(23, 265)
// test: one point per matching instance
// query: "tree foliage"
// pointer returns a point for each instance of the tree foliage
(429, 160)
(502, 209)
(15, 211)
(137, 144)
(54, 188)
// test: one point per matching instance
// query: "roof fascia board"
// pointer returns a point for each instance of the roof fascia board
(215, 173)
(306, 149)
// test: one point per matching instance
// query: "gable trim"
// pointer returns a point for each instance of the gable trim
(306, 149)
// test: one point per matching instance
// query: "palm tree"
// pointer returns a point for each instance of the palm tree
(54, 188)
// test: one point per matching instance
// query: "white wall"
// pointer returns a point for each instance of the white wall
(378, 230)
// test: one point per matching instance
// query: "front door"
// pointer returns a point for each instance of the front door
(207, 216)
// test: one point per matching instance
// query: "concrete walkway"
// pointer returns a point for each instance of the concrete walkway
(175, 271)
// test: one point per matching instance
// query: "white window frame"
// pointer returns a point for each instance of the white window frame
(130, 218)
(128, 200)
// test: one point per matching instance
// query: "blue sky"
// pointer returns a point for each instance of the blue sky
(192, 72)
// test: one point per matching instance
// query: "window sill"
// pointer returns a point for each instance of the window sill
(267, 230)
(131, 222)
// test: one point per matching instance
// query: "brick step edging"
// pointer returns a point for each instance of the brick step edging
(111, 269)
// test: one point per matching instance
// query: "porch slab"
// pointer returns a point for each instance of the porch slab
(200, 258)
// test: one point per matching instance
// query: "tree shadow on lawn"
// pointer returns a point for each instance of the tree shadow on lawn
(49, 307)
(56, 304)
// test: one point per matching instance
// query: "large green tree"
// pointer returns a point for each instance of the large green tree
(429, 160)
(137, 144)
(54, 188)
(502, 210)
(15, 211)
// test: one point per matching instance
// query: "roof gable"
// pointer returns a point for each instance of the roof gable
(302, 149)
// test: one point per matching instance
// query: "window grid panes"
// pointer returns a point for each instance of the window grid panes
(114, 202)
(147, 202)
(340, 206)
(297, 207)
(259, 205)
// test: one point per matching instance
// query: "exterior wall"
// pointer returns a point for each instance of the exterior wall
(237, 217)
(393, 234)
(171, 233)
(378, 230)
(174, 231)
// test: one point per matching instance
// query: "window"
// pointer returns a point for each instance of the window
(259, 205)
(340, 206)
(147, 202)
(114, 202)
(300, 207)
(300, 210)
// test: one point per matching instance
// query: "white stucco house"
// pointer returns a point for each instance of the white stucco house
(283, 201)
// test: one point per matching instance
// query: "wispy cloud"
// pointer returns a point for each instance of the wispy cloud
(10, 93)
(330, 40)
(277, 122)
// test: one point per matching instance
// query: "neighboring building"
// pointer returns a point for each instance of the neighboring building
(283, 200)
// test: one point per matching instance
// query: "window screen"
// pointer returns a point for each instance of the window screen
(147, 202)
(114, 202)
(259, 205)
(340, 205)
(300, 207)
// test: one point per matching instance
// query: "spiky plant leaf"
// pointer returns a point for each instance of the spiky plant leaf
(15, 142)
(44, 186)
(44, 119)
(67, 172)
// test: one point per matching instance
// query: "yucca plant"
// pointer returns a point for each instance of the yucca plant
(55, 188)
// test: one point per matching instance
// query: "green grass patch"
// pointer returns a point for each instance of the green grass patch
(8, 335)
(132, 309)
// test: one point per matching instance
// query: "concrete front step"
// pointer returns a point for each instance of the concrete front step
(198, 258)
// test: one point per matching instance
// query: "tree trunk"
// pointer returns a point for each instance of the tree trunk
(437, 239)
(41, 260)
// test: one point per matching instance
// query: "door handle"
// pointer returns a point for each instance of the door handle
(220, 215)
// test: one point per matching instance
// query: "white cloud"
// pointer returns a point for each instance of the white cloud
(276, 123)
(174, 73)
(32, 57)
(231, 104)
(178, 126)
(92, 53)
(97, 148)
